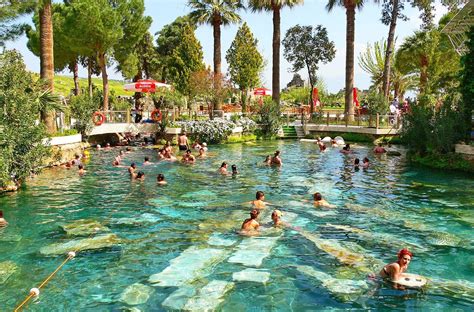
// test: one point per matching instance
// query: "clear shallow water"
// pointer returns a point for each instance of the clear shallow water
(390, 201)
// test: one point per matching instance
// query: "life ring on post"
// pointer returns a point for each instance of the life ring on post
(98, 118)
(156, 115)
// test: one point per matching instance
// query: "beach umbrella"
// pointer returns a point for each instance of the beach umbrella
(145, 85)
(262, 91)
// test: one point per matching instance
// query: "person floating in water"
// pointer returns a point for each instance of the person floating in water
(250, 225)
(147, 161)
(140, 175)
(81, 170)
(259, 202)
(346, 149)
(188, 157)
(268, 160)
(320, 202)
(131, 169)
(234, 170)
(276, 218)
(160, 179)
(223, 168)
(365, 163)
(202, 153)
(276, 160)
(393, 271)
(379, 149)
(3, 222)
(356, 163)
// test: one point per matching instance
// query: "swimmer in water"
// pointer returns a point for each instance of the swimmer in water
(268, 160)
(319, 201)
(365, 163)
(3, 222)
(132, 168)
(379, 149)
(276, 218)
(259, 202)
(160, 179)
(223, 168)
(234, 170)
(147, 161)
(394, 270)
(250, 225)
(140, 175)
(81, 170)
(276, 159)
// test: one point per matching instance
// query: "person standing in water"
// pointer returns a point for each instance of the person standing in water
(183, 142)
(259, 202)
(251, 224)
(276, 160)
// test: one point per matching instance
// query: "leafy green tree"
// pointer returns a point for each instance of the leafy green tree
(10, 10)
(392, 11)
(135, 27)
(186, 58)
(98, 26)
(66, 55)
(467, 81)
(245, 62)
(372, 61)
(296, 81)
(268, 117)
(275, 7)
(215, 13)
(21, 100)
(305, 47)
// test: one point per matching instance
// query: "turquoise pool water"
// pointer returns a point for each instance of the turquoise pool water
(180, 240)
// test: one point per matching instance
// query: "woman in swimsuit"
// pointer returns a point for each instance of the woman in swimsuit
(393, 270)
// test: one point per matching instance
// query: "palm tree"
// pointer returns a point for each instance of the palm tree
(275, 6)
(215, 13)
(350, 6)
(47, 58)
(416, 55)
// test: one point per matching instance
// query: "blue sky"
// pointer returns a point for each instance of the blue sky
(368, 30)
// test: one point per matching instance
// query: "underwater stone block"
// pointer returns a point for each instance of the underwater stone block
(217, 239)
(177, 299)
(194, 262)
(253, 250)
(84, 227)
(209, 297)
(136, 294)
(252, 275)
(98, 242)
(7, 268)
(204, 194)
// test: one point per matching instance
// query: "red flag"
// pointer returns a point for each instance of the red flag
(354, 96)
(315, 97)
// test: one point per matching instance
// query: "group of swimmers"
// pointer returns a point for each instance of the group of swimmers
(250, 227)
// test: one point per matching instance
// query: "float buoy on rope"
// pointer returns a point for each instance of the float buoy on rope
(98, 118)
(156, 115)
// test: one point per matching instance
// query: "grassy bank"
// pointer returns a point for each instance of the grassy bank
(64, 85)
(443, 161)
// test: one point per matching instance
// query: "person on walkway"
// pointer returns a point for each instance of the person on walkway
(183, 142)
(251, 224)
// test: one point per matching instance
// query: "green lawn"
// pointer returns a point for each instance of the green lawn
(64, 84)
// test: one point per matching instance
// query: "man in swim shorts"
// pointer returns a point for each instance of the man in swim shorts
(183, 142)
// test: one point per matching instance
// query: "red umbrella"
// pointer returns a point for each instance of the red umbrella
(262, 91)
(145, 85)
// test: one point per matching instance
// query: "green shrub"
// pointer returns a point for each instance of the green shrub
(65, 133)
(268, 118)
(243, 138)
(82, 108)
(443, 161)
(377, 103)
(21, 98)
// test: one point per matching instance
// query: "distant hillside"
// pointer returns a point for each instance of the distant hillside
(64, 84)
